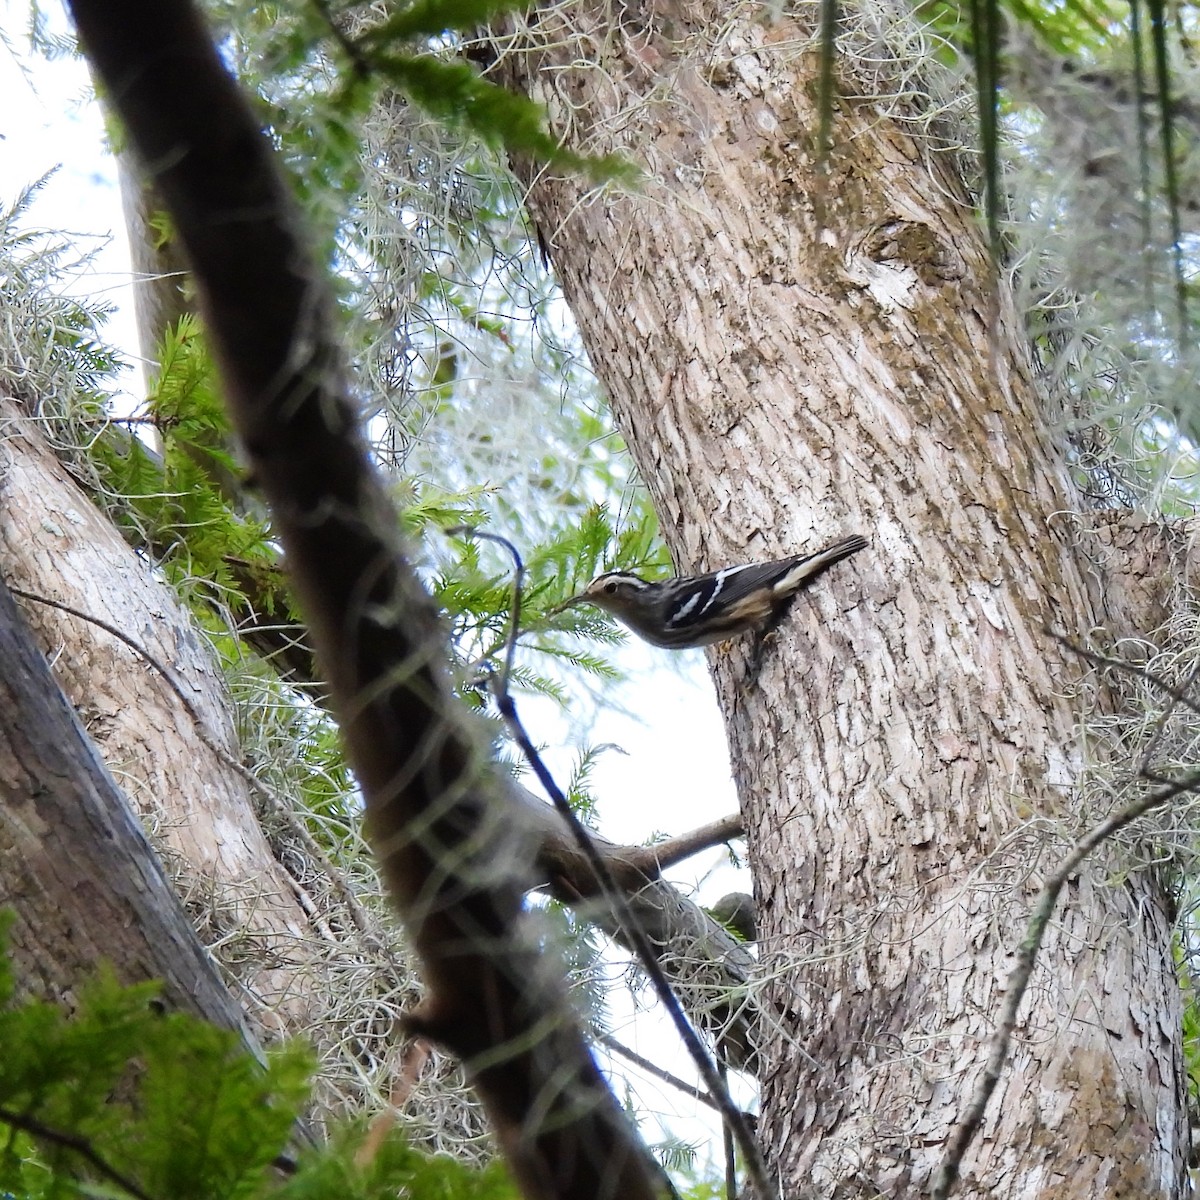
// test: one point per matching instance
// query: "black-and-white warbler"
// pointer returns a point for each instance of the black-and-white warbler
(696, 610)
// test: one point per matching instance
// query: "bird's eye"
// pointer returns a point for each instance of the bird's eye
(611, 586)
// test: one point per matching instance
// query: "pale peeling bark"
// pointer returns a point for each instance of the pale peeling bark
(55, 544)
(832, 377)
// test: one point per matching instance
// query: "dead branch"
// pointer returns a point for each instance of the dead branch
(682, 846)
(712, 970)
(632, 932)
(437, 809)
(630, 929)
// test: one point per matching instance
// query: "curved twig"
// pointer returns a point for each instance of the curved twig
(77, 1145)
(1018, 980)
(713, 1077)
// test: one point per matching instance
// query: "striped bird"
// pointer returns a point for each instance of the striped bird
(697, 610)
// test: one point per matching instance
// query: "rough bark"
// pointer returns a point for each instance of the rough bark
(436, 812)
(81, 880)
(792, 359)
(179, 773)
(1137, 568)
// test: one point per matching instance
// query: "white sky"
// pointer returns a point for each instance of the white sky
(672, 773)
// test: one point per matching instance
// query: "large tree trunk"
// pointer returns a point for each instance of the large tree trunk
(792, 360)
(179, 768)
(82, 884)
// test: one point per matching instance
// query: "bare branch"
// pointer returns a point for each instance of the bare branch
(634, 868)
(675, 849)
(633, 932)
(695, 950)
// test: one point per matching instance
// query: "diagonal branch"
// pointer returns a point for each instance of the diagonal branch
(631, 931)
(682, 846)
(437, 808)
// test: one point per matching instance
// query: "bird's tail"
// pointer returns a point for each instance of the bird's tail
(802, 571)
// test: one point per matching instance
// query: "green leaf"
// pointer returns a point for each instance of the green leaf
(456, 94)
(428, 18)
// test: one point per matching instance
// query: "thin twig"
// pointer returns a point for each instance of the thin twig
(682, 1085)
(1019, 977)
(514, 620)
(74, 1143)
(730, 1149)
(1161, 724)
(1176, 695)
(630, 927)
(1103, 660)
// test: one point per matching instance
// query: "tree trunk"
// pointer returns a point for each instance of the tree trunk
(287, 930)
(177, 767)
(83, 884)
(793, 358)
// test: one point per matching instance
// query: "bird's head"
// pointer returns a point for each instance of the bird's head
(614, 591)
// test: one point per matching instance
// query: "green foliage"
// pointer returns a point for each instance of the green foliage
(458, 95)
(395, 1170)
(296, 38)
(119, 1096)
(477, 590)
(699, 1186)
(51, 352)
(1185, 962)
(675, 1154)
(1134, 47)
(582, 950)
(188, 506)
(164, 1100)
(430, 18)
(578, 790)
(1076, 29)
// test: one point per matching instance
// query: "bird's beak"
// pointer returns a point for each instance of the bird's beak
(577, 599)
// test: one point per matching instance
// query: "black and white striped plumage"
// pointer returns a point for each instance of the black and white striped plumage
(696, 610)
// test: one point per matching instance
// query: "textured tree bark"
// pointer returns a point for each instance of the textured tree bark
(791, 359)
(55, 544)
(83, 884)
